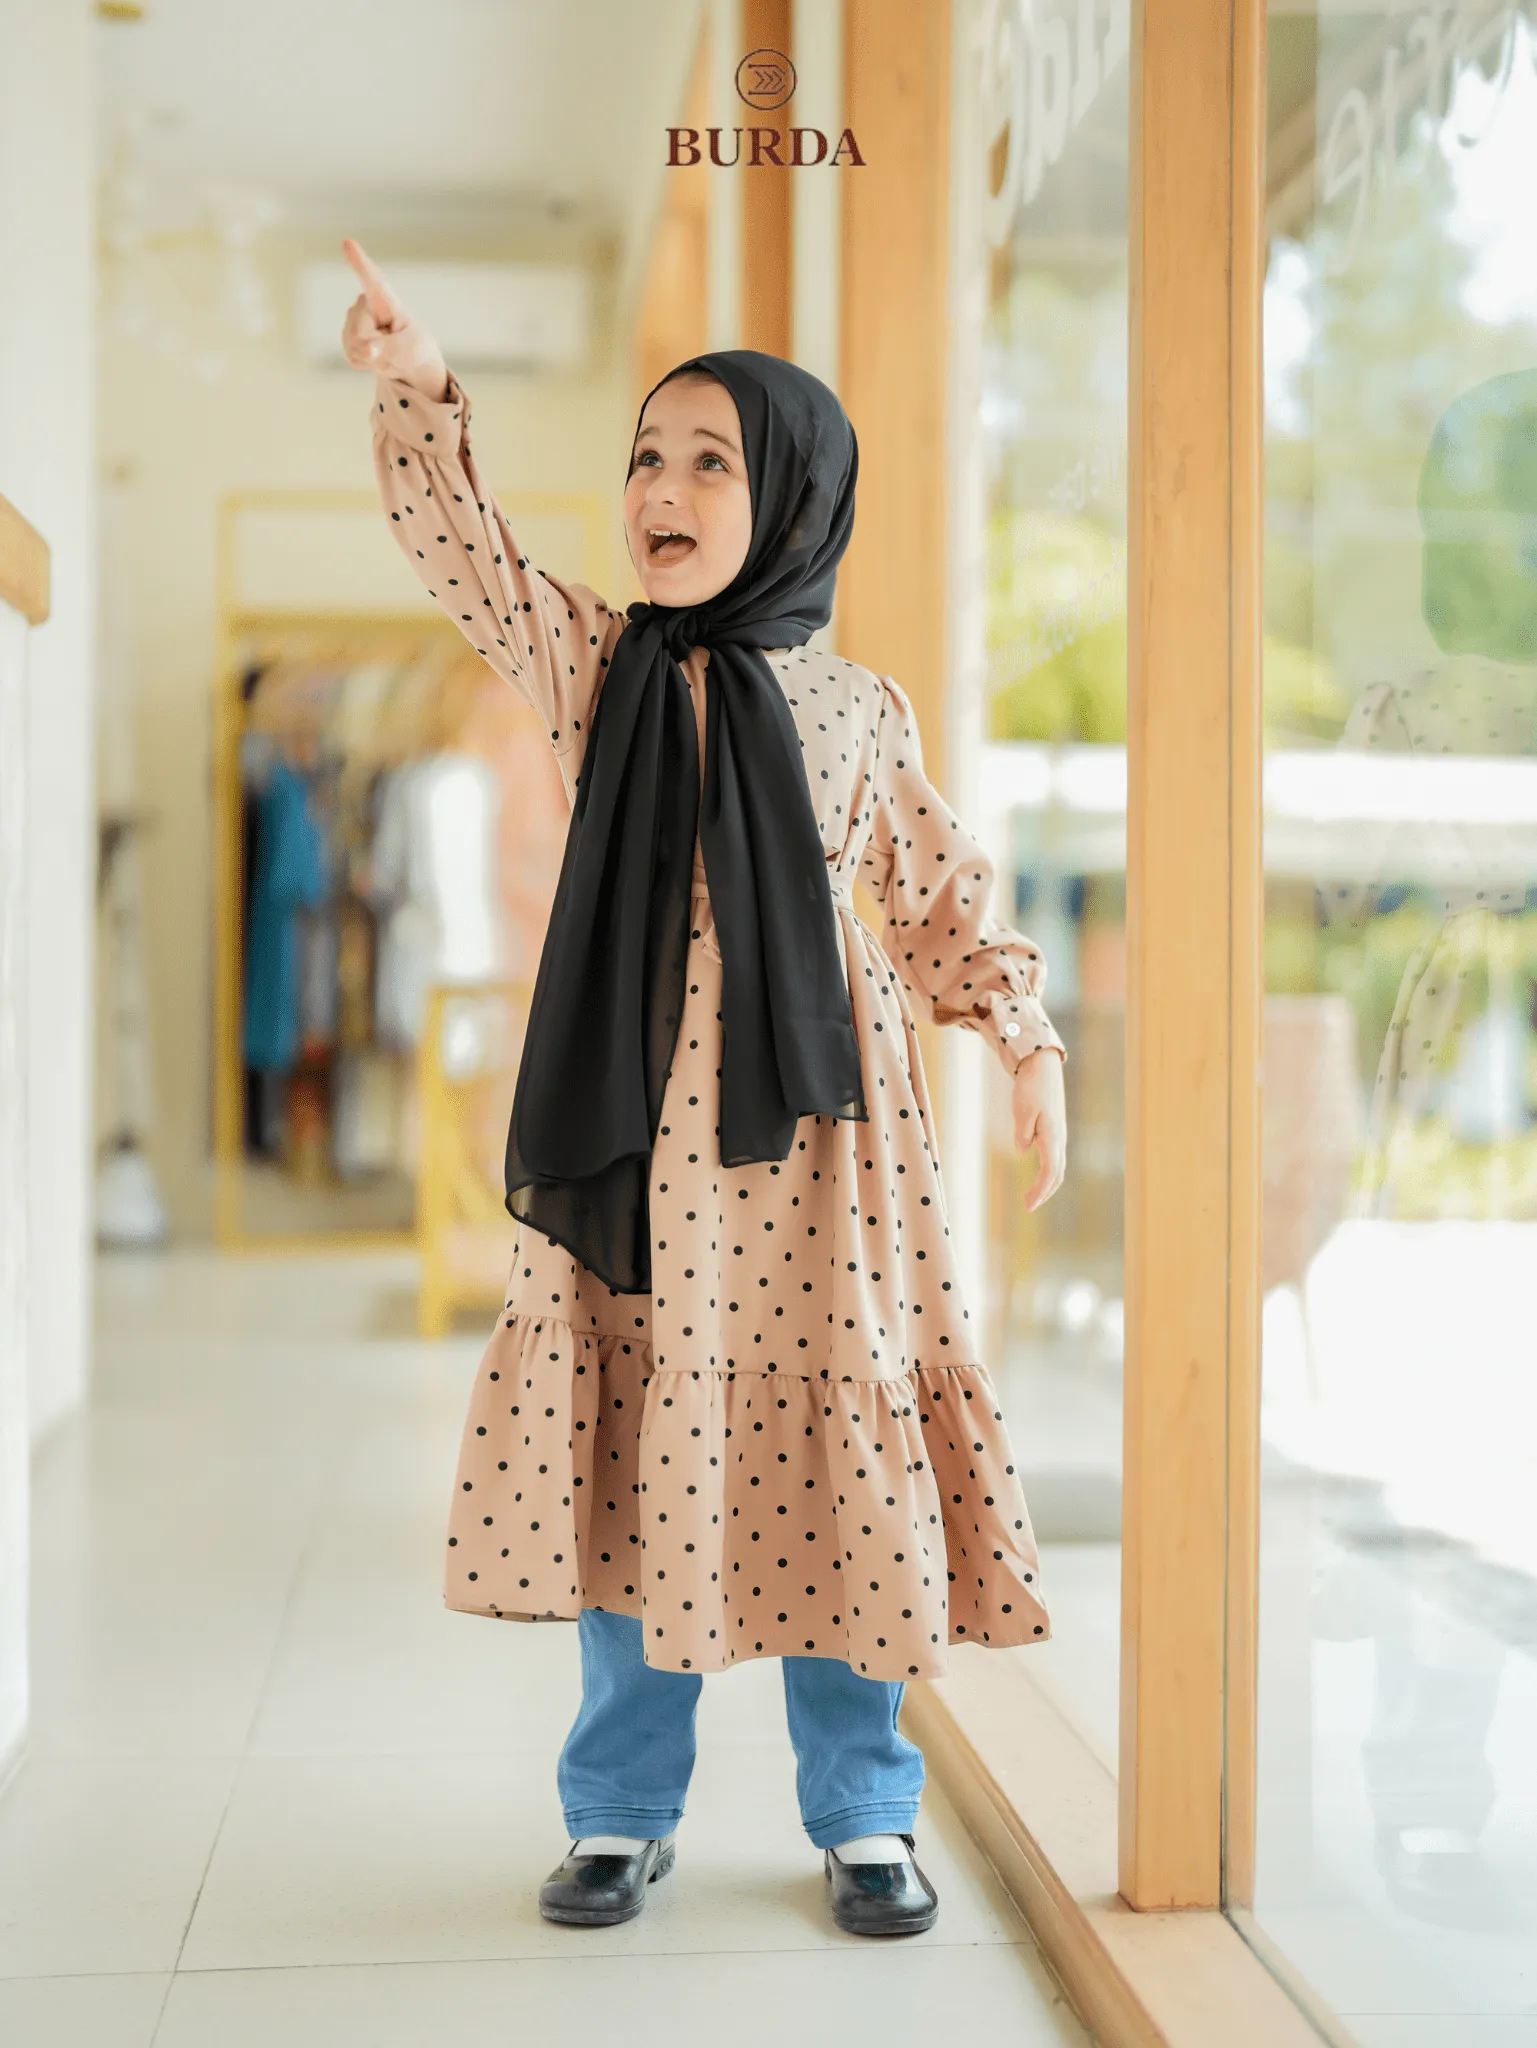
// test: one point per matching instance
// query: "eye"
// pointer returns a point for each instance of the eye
(648, 459)
(710, 457)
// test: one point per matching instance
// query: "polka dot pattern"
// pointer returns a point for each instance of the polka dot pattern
(791, 1445)
(740, 1515)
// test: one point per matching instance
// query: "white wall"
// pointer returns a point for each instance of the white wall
(14, 1444)
(46, 469)
(173, 445)
(47, 851)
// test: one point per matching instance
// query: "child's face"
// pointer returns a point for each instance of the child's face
(687, 506)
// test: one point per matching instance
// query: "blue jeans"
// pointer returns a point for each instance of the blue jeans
(627, 1761)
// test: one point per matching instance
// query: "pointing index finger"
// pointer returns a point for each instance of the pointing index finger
(382, 302)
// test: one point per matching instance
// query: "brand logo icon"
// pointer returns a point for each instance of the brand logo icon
(765, 79)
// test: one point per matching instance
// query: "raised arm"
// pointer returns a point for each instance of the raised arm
(550, 640)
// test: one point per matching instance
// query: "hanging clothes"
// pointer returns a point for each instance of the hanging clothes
(319, 985)
(435, 888)
(290, 877)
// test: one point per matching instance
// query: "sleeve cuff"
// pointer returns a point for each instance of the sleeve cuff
(1017, 1026)
(432, 426)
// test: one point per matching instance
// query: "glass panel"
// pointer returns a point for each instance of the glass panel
(1397, 1843)
(1051, 161)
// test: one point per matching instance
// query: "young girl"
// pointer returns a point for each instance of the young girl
(734, 1406)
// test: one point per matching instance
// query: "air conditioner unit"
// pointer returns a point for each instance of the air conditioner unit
(497, 316)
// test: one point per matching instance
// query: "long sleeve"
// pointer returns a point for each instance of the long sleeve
(550, 640)
(935, 883)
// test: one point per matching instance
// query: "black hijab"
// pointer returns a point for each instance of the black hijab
(609, 995)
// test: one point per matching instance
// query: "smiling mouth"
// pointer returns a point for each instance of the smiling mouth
(664, 546)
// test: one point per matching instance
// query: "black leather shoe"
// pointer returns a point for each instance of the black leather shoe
(600, 1891)
(881, 1898)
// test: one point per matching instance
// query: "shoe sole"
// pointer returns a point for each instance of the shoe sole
(574, 1916)
(890, 1933)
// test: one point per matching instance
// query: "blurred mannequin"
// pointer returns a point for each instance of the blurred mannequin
(435, 874)
(509, 736)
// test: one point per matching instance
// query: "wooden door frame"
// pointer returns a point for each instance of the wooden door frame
(1124, 1880)
(1194, 892)
(1194, 930)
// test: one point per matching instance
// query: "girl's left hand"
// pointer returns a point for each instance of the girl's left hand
(1040, 1120)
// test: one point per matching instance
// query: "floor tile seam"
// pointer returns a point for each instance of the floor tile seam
(1461, 2012)
(76, 1976)
(381, 1756)
(44, 1761)
(853, 1946)
(160, 2011)
(301, 1557)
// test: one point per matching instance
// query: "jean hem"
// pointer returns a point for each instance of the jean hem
(647, 1823)
(848, 1824)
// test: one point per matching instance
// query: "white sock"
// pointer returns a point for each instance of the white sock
(873, 1849)
(611, 1845)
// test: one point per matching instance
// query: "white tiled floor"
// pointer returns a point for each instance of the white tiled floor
(276, 1795)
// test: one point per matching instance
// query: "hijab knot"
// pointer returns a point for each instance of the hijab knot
(680, 631)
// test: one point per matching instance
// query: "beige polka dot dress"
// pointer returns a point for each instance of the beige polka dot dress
(791, 1446)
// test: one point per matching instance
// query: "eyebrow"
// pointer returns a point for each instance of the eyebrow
(709, 433)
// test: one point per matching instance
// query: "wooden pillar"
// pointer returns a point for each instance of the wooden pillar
(673, 320)
(894, 321)
(675, 313)
(1194, 926)
(766, 268)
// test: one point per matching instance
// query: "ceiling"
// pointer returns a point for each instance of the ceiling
(427, 115)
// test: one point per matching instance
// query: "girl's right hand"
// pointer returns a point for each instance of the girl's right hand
(380, 335)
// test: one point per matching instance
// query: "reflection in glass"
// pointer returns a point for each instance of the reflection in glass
(1397, 1843)
(1049, 166)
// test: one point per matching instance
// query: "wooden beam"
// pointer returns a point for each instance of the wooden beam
(1043, 1807)
(891, 596)
(24, 566)
(1246, 956)
(1193, 931)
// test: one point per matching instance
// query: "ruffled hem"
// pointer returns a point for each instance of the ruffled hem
(741, 1515)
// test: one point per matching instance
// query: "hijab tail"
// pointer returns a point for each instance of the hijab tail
(603, 1221)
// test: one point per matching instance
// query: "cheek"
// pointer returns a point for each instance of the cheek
(730, 529)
